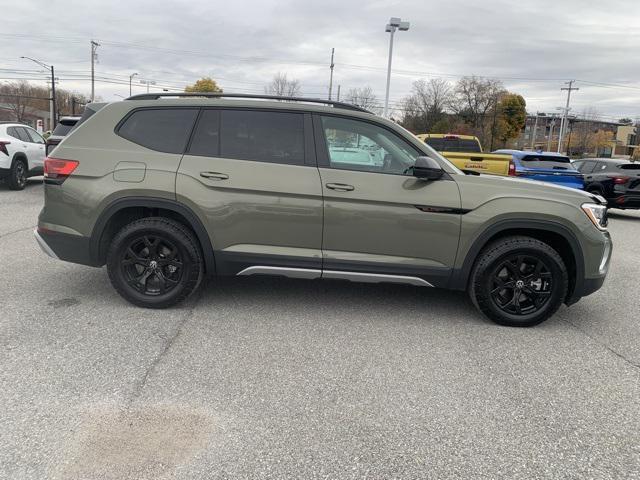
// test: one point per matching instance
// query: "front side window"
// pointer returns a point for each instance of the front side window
(272, 137)
(363, 146)
(164, 130)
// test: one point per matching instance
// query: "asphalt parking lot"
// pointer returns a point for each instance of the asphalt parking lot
(274, 378)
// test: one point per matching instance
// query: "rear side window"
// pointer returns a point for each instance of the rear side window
(541, 161)
(272, 137)
(164, 130)
(20, 133)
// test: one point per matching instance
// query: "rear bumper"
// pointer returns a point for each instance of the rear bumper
(63, 246)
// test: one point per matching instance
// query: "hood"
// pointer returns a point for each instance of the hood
(494, 186)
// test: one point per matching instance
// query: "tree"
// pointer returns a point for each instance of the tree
(19, 98)
(474, 100)
(625, 121)
(426, 104)
(280, 86)
(364, 98)
(205, 84)
(512, 117)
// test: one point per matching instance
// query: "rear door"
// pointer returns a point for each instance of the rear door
(36, 149)
(252, 175)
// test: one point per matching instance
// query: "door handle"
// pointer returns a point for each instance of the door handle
(341, 187)
(214, 175)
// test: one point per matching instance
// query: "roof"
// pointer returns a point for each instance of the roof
(524, 153)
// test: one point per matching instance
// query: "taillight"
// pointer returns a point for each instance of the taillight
(57, 170)
(512, 168)
(3, 147)
(620, 180)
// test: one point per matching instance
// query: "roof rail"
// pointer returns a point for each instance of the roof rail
(155, 96)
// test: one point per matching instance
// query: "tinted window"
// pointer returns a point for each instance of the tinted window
(542, 161)
(629, 166)
(63, 127)
(20, 133)
(453, 144)
(355, 145)
(35, 136)
(206, 138)
(586, 167)
(274, 137)
(164, 130)
(603, 167)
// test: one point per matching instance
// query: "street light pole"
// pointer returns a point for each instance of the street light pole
(393, 25)
(53, 89)
(130, 79)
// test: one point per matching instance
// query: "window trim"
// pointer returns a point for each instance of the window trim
(323, 153)
(122, 121)
(310, 157)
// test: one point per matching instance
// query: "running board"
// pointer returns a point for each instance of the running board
(310, 273)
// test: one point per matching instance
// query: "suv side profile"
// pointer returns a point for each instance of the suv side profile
(22, 154)
(614, 179)
(167, 191)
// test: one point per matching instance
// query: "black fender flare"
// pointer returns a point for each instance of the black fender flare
(460, 277)
(153, 202)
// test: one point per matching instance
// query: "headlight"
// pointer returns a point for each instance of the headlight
(597, 214)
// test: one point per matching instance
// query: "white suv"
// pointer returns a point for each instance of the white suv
(22, 152)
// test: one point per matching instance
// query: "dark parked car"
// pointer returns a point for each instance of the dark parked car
(616, 180)
(63, 127)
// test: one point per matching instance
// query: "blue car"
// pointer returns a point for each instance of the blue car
(546, 167)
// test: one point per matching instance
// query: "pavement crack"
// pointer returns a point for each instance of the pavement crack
(607, 347)
(137, 390)
(17, 231)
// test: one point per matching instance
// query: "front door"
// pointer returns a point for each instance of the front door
(252, 176)
(380, 222)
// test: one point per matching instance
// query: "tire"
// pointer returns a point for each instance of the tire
(155, 262)
(518, 281)
(18, 175)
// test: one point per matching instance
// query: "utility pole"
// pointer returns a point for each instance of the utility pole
(53, 98)
(339, 97)
(569, 89)
(331, 74)
(94, 56)
(535, 130)
(551, 125)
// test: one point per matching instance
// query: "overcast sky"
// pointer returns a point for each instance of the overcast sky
(533, 46)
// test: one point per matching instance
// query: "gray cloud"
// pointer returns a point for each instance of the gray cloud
(532, 47)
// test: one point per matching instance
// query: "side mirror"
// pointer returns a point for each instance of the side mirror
(426, 168)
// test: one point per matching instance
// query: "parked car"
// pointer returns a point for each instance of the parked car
(465, 152)
(64, 126)
(616, 180)
(166, 191)
(21, 154)
(545, 167)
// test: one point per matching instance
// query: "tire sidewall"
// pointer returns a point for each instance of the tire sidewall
(192, 265)
(481, 288)
(13, 179)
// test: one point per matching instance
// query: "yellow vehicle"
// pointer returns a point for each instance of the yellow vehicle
(465, 152)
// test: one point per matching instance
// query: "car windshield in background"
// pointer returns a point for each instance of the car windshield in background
(541, 161)
(453, 145)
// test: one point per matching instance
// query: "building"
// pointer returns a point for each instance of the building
(31, 116)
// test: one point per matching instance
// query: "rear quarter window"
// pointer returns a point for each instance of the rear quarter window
(160, 129)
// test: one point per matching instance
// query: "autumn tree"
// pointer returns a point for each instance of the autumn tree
(511, 116)
(281, 86)
(205, 84)
(364, 98)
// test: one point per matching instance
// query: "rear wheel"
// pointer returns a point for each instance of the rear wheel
(518, 281)
(155, 262)
(18, 175)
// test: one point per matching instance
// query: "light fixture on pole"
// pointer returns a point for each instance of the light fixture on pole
(54, 112)
(393, 25)
(131, 78)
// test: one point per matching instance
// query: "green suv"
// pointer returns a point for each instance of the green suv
(169, 189)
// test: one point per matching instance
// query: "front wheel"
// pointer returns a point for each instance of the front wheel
(518, 281)
(155, 262)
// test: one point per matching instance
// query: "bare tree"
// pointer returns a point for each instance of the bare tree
(18, 97)
(426, 105)
(364, 98)
(282, 87)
